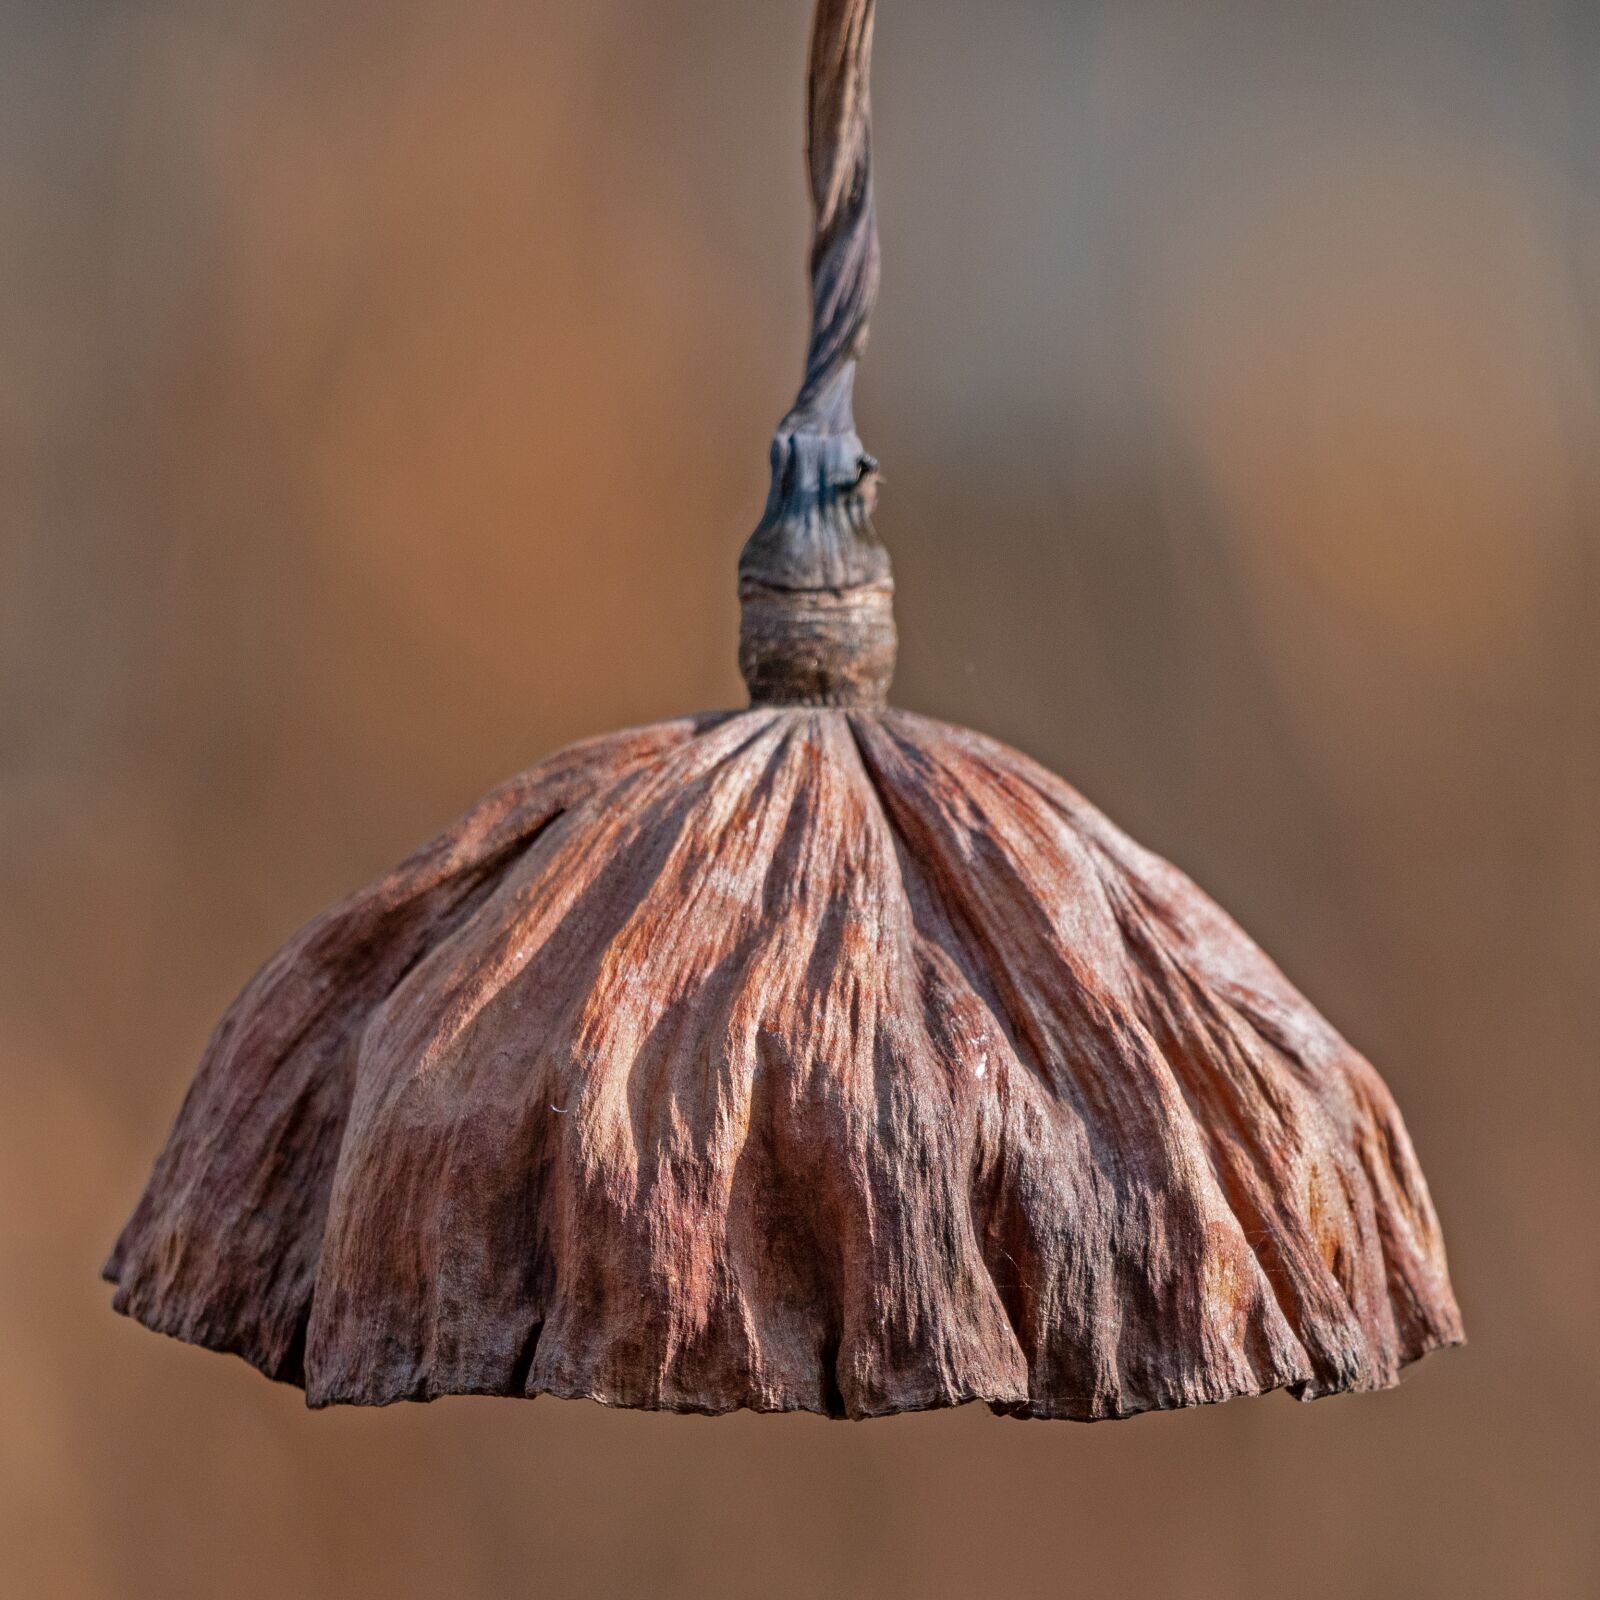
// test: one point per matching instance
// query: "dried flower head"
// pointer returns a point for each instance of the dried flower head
(817, 1056)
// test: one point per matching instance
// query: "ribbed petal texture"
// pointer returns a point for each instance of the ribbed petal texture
(794, 1059)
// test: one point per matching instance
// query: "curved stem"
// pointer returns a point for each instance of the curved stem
(844, 250)
(817, 532)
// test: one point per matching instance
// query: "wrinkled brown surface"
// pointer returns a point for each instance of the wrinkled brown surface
(832, 1060)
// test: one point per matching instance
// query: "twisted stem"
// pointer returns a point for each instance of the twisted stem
(844, 249)
(817, 531)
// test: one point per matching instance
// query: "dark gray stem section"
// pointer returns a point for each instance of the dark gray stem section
(818, 624)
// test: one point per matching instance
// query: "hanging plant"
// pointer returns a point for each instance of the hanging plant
(815, 1056)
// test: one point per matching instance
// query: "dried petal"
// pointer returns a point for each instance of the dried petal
(797, 1059)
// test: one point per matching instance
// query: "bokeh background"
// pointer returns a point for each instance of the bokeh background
(384, 395)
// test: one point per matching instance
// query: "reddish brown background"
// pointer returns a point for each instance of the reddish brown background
(384, 394)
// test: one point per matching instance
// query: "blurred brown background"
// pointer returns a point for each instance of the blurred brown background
(384, 394)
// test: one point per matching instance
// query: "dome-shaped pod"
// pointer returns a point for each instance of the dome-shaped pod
(803, 1058)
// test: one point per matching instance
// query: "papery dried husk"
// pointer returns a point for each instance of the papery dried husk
(832, 1060)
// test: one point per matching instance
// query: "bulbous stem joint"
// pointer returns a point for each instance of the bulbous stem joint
(818, 647)
(815, 582)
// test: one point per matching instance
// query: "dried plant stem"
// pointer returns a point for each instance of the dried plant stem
(818, 624)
